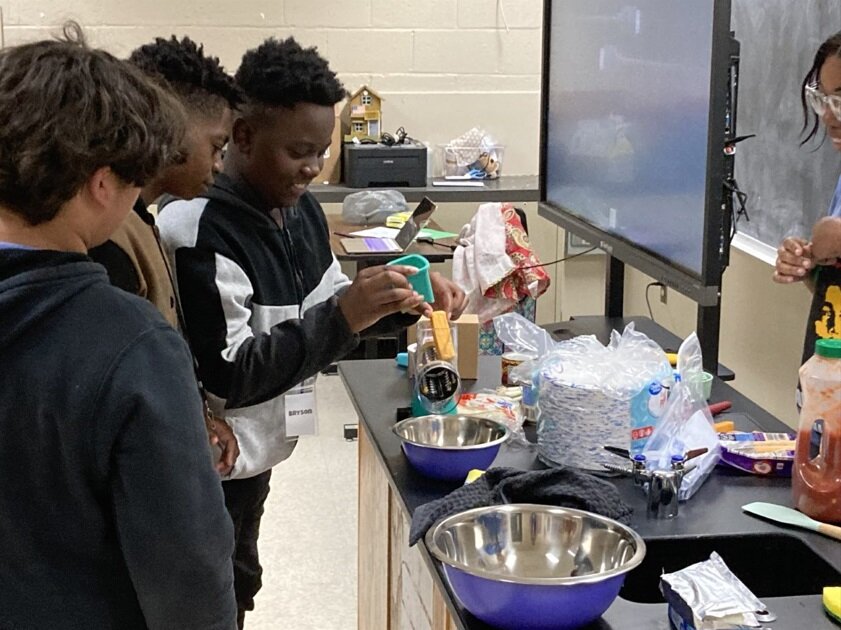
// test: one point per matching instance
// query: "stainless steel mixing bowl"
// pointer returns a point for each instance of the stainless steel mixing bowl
(451, 431)
(449, 446)
(534, 566)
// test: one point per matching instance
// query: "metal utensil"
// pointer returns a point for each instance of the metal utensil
(697, 452)
(616, 450)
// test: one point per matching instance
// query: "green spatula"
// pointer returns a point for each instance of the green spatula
(787, 516)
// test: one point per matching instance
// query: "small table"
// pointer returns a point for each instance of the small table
(433, 253)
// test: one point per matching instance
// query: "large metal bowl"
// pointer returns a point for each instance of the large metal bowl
(534, 567)
(450, 446)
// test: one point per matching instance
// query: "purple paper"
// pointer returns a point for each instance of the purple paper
(375, 244)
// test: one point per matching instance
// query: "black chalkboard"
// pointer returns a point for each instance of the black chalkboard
(789, 186)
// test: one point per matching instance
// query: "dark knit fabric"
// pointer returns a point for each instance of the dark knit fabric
(563, 487)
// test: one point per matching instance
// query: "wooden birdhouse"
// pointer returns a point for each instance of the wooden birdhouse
(365, 123)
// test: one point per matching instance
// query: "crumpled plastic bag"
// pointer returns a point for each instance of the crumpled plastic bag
(490, 404)
(615, 368)
(686, 423)
(523, 336)
(368, 207)
(585, 389)
(494, 263)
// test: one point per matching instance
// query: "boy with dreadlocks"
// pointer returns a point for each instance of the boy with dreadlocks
(133, 256)
(208, 95)
(265, 301)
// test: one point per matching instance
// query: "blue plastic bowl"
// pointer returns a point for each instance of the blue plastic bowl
(534, 567)
(449, 446)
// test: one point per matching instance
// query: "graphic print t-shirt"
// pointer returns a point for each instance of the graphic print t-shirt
(825, 314)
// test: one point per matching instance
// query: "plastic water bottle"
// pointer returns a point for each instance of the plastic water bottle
(816, 476)
(646, 409)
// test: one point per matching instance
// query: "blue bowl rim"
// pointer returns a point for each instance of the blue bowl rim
(506, 432)
(439, 554)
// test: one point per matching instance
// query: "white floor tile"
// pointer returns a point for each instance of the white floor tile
(308, 533)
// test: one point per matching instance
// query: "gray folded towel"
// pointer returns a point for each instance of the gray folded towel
(564, 487)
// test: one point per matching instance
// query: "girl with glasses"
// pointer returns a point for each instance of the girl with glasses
(817, 261)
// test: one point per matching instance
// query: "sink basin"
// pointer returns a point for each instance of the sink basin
(770, 565)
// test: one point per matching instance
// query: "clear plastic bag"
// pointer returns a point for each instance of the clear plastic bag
(615, 368)
(585, 389)
(686, 423)
(491, 404)
(369, 207)
(523, 336)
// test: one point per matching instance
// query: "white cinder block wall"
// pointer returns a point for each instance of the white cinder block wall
(444, 66)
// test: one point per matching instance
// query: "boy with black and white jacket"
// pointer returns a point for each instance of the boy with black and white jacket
(265, 302)
(260, 289)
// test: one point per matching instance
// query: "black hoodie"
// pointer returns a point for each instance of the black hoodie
(111, 515)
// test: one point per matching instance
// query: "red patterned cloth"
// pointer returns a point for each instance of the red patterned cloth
(494, 263)
(526, 280)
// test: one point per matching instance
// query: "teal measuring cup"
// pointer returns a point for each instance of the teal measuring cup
(419, 281)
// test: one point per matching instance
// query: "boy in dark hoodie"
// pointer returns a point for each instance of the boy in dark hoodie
(111, 514)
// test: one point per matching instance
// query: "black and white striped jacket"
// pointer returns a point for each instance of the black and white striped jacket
(260, 306)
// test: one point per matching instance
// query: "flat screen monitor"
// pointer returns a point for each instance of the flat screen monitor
(634, 116)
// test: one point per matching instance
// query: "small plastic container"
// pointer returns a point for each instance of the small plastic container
(459, 160)
(509, 361)
(706, 380)
(420, 281)
(816, 475)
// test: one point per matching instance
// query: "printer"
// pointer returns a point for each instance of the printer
(381, 166)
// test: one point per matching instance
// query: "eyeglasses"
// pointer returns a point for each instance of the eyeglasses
(819, 101)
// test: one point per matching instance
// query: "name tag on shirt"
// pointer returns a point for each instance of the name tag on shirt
(300, 410)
